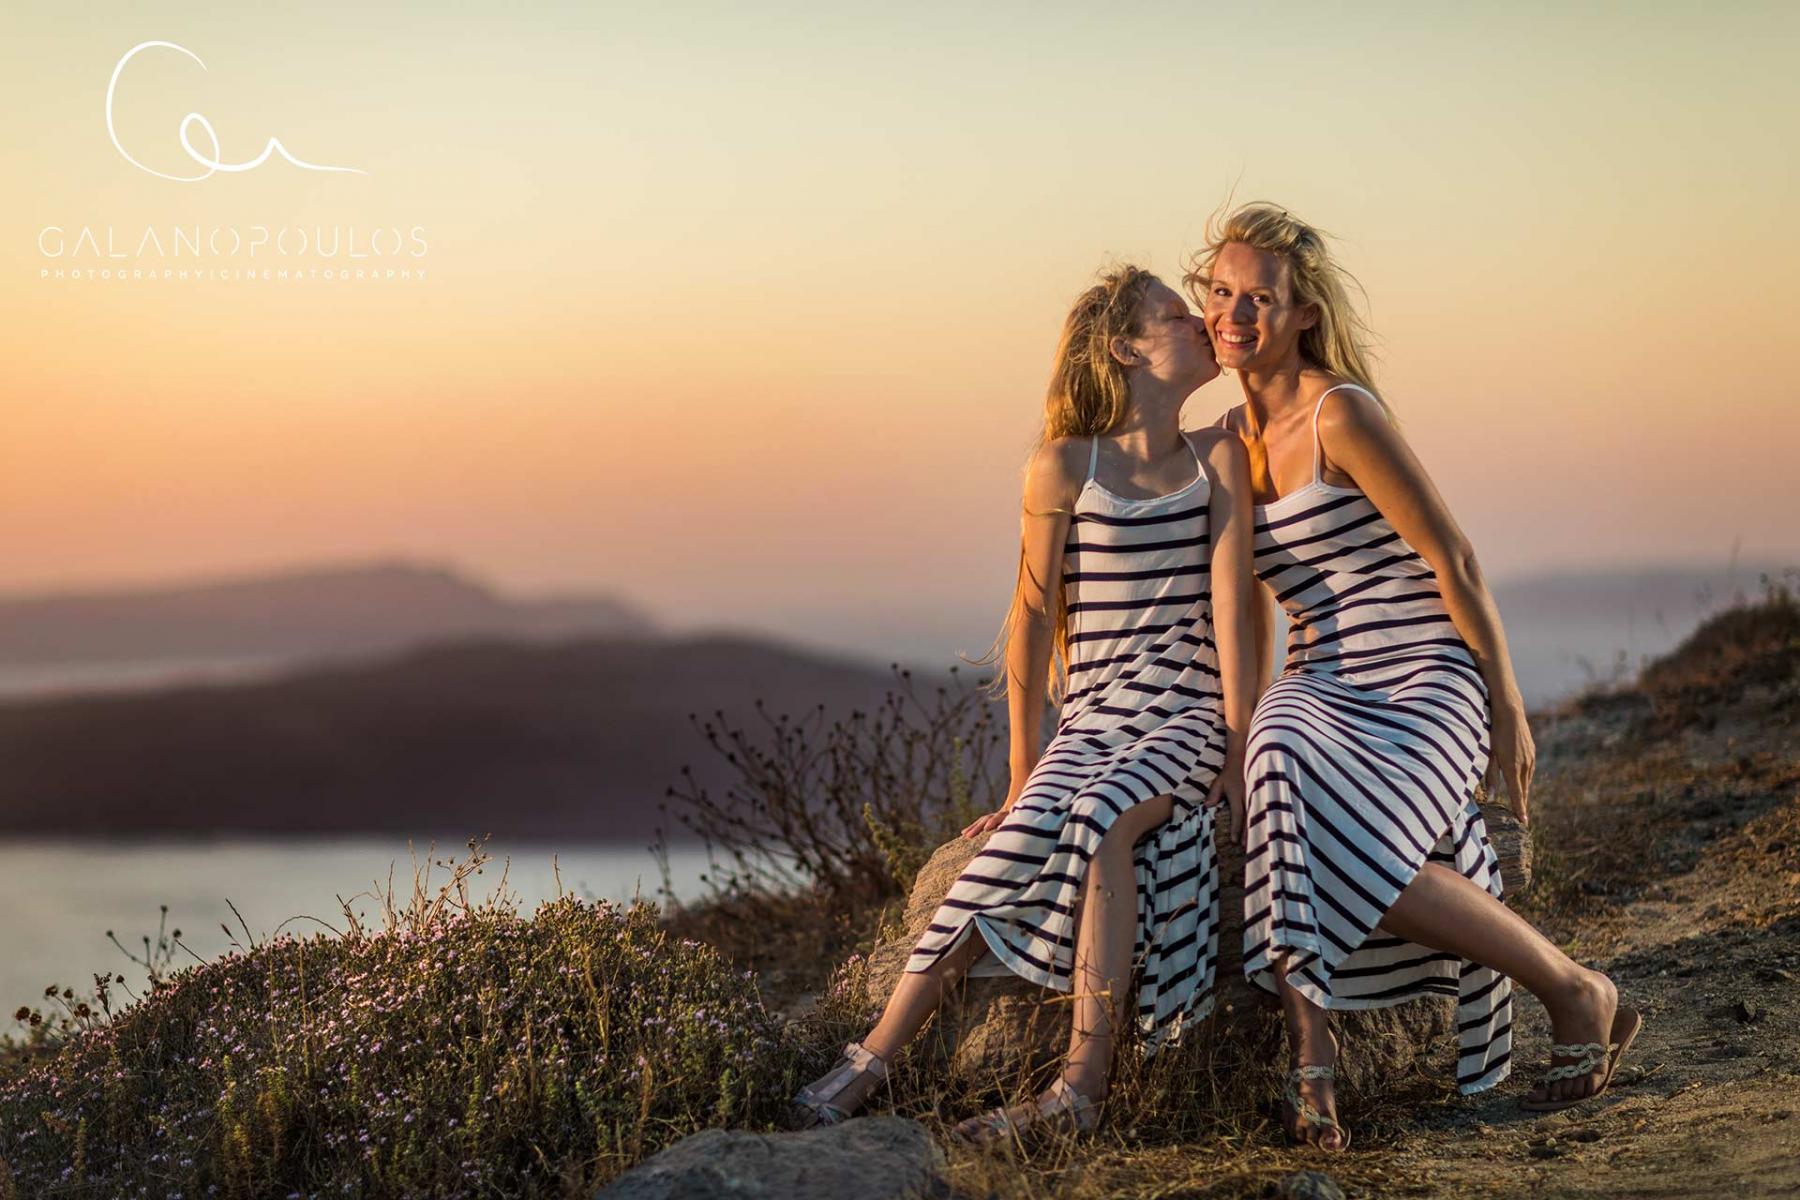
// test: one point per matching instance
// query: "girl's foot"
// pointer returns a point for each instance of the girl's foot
(837, 1095)
(1311, 1103)
(1060, 1109)
(1591, 1033)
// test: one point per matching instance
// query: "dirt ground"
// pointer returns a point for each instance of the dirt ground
(1709, 1102)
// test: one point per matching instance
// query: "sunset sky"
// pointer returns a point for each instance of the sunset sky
(745, 311)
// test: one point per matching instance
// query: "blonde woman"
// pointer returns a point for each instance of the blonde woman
(1135, 573)
(1369, 878)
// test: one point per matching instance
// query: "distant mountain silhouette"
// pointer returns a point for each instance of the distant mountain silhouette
(576, 740)
(322, 612)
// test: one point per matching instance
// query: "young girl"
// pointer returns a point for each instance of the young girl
(1369, 878)
(1135, 569)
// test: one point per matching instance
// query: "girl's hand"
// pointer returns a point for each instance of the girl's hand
(982, 825)
(1514, 756)
(993, 820)
(1228, 790)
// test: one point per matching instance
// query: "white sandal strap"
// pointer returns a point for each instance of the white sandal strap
(1591, 1056)
(1064, 1098)
(1301, 1105)
(857, 1060)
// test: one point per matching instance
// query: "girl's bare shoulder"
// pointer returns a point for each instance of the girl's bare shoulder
(1223, 452)
(1057, 473)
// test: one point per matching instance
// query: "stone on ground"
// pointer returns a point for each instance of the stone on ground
(869, 1158)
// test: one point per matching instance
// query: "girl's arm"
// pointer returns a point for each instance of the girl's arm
(1234, 603)
(1263, 620)
(1051, 486)
(1358, 438)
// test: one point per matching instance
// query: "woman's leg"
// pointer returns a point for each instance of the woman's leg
(1444, 910)
(1309, 1044)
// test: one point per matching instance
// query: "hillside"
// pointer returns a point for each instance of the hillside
(572, 740)
(311, 612)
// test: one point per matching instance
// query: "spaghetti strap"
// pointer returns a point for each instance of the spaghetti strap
(1093, 456)
(1319, 446)
(1199, 462)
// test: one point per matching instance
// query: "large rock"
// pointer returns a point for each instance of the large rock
(999, 1030)
(870, 1158)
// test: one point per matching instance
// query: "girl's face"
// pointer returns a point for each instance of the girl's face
(1171, 345)
(1250, 310)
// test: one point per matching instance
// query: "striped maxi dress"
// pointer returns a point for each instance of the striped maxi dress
(1362, 761)
(1143, 717)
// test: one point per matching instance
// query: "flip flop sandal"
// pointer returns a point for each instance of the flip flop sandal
(1592, 1055)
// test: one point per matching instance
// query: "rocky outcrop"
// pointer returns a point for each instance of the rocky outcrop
(1000, 1029)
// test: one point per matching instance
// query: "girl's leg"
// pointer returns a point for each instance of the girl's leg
(916, 996)
(1445, 910)
(1105, 937)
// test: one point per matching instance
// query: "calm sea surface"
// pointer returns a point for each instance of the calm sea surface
(59, 898)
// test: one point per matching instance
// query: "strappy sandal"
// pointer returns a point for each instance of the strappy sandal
(1061, 1110)
(1302, 1107)
(813, 1105)
(1592, 1055)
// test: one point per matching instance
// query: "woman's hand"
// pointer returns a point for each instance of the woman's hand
(1514, 755)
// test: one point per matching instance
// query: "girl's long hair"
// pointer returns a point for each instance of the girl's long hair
(1087, 395)
(1339, 341)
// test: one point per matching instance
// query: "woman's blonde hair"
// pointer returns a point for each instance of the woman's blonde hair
(1339, 341)
(1087, 396)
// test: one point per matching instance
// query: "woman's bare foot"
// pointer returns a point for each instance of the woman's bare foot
(1581, 1015)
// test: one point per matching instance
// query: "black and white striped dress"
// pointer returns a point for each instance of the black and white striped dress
(1143, 717)
(1361, 767)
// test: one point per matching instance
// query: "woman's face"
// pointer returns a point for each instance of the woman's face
(1250, 310)
(1171, 344)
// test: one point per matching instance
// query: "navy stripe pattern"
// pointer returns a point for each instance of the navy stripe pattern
(1361, 765)
(1143, 717)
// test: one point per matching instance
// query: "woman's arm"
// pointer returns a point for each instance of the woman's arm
(1262, 608)
(1233, 599)
(1051, 487)
(1358, 438)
